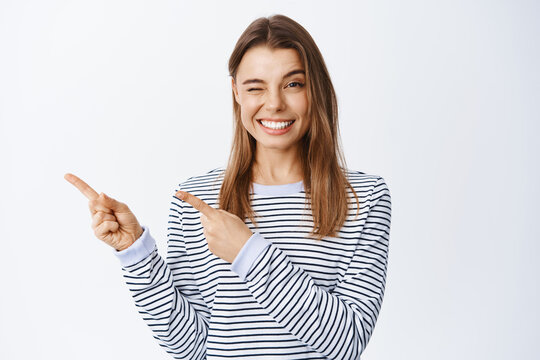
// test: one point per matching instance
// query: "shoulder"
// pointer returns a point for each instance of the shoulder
(367, 184)
(205, 186)
(209, 181)
(361, 179)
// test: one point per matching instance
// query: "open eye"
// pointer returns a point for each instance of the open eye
(296, 84)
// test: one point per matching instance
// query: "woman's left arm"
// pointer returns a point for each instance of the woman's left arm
(337, 324)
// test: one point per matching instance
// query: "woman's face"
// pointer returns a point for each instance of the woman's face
(271, 90)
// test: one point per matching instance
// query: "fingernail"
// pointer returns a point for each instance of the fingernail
(181, 195)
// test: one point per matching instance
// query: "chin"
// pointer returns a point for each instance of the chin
(276, 145)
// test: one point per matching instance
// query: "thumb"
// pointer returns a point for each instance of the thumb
(113, 204)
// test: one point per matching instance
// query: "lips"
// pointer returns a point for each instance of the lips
(275, 126)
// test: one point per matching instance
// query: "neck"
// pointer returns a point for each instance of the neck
(277, 167)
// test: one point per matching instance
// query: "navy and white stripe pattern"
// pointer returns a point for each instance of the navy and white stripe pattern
(301, 299)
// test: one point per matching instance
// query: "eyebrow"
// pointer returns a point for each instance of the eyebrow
(290, 73)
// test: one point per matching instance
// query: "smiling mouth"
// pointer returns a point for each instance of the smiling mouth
(276, 125)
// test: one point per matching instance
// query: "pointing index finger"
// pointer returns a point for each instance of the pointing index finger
(83, 187)
(196, 203)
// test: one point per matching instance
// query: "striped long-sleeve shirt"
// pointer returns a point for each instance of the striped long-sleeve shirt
(286, 295)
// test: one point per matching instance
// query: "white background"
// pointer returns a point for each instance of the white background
(441, 98)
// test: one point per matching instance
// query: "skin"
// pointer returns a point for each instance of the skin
(112, 220)
(265, 88)
(275, 96)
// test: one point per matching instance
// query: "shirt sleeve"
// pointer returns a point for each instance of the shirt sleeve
(337, 324)
(165, 292)
(138, 251)
(251, 250)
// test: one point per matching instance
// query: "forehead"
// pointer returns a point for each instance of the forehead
(263, 62)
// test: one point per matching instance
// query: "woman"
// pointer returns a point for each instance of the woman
(283, 254)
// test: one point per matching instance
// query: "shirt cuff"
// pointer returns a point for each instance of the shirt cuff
(247, 256)
(138, 251)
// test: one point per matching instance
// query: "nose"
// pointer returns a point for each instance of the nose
(274, 101)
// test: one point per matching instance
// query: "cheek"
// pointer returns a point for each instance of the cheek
(306, 125)
(246, 123)
(245, 114)
(301, 104)
(248, 109)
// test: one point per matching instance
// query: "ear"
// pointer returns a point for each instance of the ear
(235, 90)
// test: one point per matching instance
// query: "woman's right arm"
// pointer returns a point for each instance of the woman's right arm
(165, 292)
(166, 296)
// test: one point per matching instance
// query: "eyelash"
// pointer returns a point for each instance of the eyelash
(299, 84)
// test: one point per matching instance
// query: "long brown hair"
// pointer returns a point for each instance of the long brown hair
(323, 163)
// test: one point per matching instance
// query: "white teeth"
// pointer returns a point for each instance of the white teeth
(276, 125)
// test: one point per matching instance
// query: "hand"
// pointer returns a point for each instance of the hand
(225, 233)
(112, 220)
